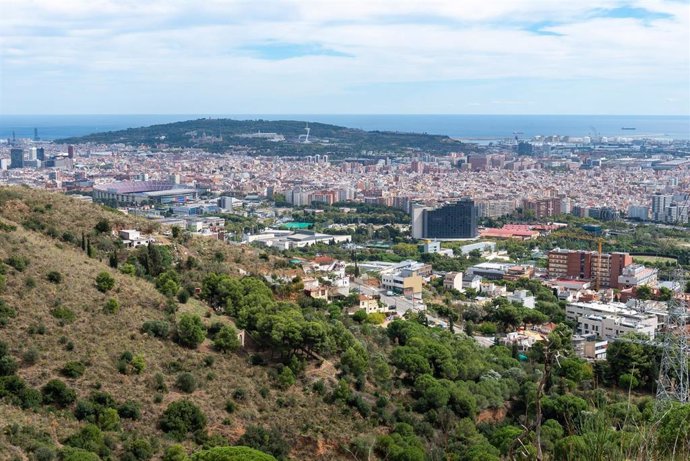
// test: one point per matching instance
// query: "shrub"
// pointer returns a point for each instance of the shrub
(157, 328)
(111, 306)
(77, 454)
(360, 316)
(286, 378)
(226, 339)
(30, 283)
(30, 356)
(186, 382)
(181, 418)
(29, 398)
(269, 441)
(239, 394)
(129, 410)
(229, 454)
(19, 263)
(102, 226)
(73, 369)
(183, 296)
(190, 331)
(6, 313)
(58, 393)
(54, 277)
(230, 406)
(175, 453)
(8, 366)
(104, 282)
(109, 420)
(63, 313)
(137, 449)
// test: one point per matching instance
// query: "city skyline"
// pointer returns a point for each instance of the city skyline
(520, 57)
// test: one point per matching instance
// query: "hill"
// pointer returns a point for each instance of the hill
(216, 135)
(108, 353)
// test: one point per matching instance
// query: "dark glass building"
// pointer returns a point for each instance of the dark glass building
(17, 158)
(457, 220)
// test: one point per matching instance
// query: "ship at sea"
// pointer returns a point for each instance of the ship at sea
(627, 128)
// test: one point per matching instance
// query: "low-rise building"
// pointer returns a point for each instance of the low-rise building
(637, 275)
(453, 281)
(610, 320)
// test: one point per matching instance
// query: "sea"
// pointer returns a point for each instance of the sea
(467, 127)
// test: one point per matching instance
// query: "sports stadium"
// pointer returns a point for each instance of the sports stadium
(139, 192)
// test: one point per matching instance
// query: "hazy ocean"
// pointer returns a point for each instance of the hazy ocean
(460, 126)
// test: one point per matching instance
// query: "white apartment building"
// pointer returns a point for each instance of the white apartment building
(609, 321)
(637, 275)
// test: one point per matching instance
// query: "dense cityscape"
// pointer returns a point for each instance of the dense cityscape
(362, 230)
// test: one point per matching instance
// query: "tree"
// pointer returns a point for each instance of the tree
(181, 418)
(269, 441)
(643, 293)
(226, 339)
(104, 282)
(190, 331)
(102, 226)
(58, 393)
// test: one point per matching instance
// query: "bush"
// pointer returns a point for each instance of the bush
(104, 282)
(269, 441)
(129, 410)
(183, 296)
(226, 339)
(73, 369)
(63, 313)
(137, 449)
(58, 393)
(230, 406)
(190, 331)
(186, 382)
(229, 454)
(181, 418)
(54, 277)
(286, 378)
(102, 226)
(19, 263)
(8, 366)
(360, 316)
(157, 328)
(30, 398)
(111, 306)
(6, 313)
(175, 453)
(30, 356)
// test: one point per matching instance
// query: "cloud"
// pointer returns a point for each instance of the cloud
(351, 55)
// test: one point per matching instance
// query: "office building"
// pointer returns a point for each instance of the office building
(16, 158)
(639, 212)
(453, 221)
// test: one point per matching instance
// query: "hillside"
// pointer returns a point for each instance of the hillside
(116, 354)
(218, 134)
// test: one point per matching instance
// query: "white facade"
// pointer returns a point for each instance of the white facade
(636, 275)
(609, 321)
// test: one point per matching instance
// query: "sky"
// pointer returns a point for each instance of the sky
(345, 57)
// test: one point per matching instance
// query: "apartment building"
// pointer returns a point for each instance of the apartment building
(611, 320)
(588, 265)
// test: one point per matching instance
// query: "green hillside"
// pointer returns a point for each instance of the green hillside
(141, 361)
(207, 134)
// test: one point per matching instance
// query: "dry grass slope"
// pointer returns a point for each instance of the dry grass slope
(99, 338)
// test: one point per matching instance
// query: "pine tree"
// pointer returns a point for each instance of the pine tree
(83, 242)
(89, 250)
